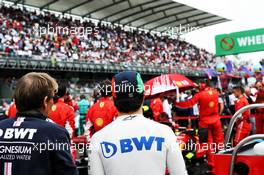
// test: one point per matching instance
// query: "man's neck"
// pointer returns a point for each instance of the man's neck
(138, 112)
(61, 99)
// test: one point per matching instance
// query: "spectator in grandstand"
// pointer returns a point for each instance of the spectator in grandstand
(34, 95)
(105, 45)
(131, 129)
(243, 125)
(209, 124)
(83, 105)
(102, 112)
(61, 113)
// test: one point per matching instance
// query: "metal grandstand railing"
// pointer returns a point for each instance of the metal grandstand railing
(29, 63)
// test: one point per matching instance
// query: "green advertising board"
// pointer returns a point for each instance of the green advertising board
(240, 42)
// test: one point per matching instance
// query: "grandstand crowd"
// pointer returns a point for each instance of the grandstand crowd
(105, 44)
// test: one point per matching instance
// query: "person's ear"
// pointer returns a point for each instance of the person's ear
(45, 102)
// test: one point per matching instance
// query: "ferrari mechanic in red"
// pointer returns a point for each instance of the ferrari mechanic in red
(157, 108)
(243, 125)
(209, 123)
(61, 113)
(103, 111)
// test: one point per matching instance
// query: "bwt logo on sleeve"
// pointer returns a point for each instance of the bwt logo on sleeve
(132, 144)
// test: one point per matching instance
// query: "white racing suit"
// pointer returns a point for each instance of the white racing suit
(135, 145)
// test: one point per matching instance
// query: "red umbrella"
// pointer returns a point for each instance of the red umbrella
(167, 83)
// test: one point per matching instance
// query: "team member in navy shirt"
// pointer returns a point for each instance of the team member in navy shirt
(28, 143)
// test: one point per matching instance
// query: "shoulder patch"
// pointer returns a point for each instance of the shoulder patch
(211, 104)
(53, 108)
(101, 104)
(99, 122)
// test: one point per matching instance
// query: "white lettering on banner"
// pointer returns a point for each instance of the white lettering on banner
(17, 133)
(250, 40)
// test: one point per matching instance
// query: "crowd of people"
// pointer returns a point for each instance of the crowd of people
(114, 122)
(74, 88)
(21, 35)
(86, 116)
(91, 93)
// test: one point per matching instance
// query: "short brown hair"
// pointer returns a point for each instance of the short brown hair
(240, 89)
(32, 88)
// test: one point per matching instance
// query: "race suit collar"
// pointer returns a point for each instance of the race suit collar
(32, 113)
(61, 100)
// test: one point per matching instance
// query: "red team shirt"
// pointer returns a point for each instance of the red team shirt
(101, 113)
(208, 103)
(240, 103)
(157, 108)
(61, 113)
(11, 113)
(243, 126)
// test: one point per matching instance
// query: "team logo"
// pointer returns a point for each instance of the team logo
(108, 149)
(211, 104)
(53, 108)
(101, 104)
(129, 145)
(99, 122)
(18, 133)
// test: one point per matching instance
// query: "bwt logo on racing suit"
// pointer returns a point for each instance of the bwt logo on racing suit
(17, 133)
(131, 144)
